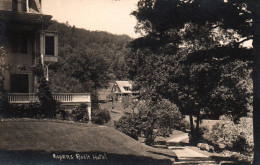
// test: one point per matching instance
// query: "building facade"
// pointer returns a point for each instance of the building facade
(24, 37)
(122, 89)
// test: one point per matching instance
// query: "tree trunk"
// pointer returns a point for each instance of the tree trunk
(256, 81)
(191, 124)
(198, 124)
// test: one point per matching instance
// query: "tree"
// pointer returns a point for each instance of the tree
(48, 103)
(162, 115)
(184, 54)
(130, 101)
(88, 59)
(256, 79)
(3, 67)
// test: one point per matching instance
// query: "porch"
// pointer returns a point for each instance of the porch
(63, 98)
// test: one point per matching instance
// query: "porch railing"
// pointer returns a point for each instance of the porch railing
(61, 97)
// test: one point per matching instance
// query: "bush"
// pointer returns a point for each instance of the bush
(163, 116)
(47, 102)
(30, 110)
(231, 136)
(80, 113)
(100, 116)
(129, 125)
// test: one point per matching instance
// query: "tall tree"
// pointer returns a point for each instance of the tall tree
(188, 53)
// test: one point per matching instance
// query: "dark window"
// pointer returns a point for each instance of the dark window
(19, 44)
(49, 45)
(15, 5)
(19, 83)
(24, 5)
(19, 6)
(127, 88)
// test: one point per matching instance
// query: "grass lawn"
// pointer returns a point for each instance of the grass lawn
(117, 112)
(30, 141)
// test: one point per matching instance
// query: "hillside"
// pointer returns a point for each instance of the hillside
(87, 59)
(37, 140)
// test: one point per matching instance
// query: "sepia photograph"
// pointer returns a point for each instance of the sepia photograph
(130, 82)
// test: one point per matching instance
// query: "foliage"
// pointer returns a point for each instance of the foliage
(88, 59)
(3, 58)
(100, 116)
(228, 135)
(3, 67)
(190, 54)
(163, 115)
(130, 125)
(94, 100)
(80, 113)
(130, 101)
(30, 110)
(48, 104)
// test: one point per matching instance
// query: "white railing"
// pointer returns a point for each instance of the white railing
(61, 97)
(72, 97)
(22, 97)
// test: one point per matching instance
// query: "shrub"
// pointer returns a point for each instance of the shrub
(100, 116)
(30, 110)
(47, 102)
(163, 116)
(228, 135)
(80, 113)
(129, 125)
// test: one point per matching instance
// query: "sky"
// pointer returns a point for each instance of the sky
(96, 15)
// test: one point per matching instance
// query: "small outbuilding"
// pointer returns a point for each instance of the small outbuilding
(122, 88)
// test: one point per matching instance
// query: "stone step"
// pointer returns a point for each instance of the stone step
(160, 146)
(197, 163)
(179, 141)
(176, 144)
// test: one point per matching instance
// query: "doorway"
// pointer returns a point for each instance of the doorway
(19, 83)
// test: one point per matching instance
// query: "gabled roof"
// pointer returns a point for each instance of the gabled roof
(124, 84)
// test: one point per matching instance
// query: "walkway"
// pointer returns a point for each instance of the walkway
(180, 146)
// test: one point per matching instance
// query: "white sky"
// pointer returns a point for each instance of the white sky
(96, 15)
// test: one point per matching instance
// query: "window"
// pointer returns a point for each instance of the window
(24, 6)
(127, 88)
(49, 45)
(19, 43)
(19, 5)
(15, 5)
(34, 6)
(19, 83)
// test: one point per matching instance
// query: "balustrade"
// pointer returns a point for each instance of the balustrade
(61, 97)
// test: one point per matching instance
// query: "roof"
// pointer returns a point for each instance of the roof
(123, 84)
(23, 17)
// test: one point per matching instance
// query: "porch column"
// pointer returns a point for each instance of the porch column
(42, 48)
(89, 112)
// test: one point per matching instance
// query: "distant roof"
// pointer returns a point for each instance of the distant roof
(123, 85)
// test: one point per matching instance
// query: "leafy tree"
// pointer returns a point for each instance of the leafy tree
(89, 59)
(130, 102)
(48, 103)
(162, 115)
(130, 125)
(94, 100)
(190, 53)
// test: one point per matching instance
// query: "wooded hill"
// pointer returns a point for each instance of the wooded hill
(87, 59)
